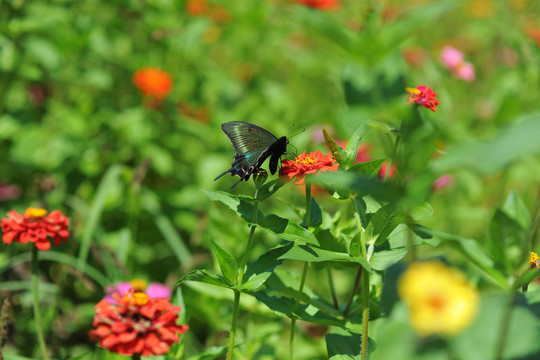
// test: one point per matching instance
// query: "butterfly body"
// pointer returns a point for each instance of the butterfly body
(253, 145)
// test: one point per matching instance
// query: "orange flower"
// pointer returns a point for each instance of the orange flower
(306, 164)
(320, 4)
(197, 7)
(153, 83)
(137, 324)
(35, 226)
(423, 95)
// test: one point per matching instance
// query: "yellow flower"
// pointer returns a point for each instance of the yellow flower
(440, 300)
(534, 260)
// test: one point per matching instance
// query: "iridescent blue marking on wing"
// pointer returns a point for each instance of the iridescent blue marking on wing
(253, 145)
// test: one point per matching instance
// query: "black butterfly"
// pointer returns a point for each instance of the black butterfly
(252, 145)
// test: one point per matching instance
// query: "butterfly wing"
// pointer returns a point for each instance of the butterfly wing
(252, 145)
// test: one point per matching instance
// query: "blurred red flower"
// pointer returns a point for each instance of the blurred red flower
(197, 7)
(153, 83)
(306, 164)
(35, 226)
(320, 4)
(137, 324)
(382, 171)
(423, 95)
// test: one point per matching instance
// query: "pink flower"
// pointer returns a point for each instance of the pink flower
(154, 290)
(451, 57)
(454, 61)
(465, 71)
(443, 182)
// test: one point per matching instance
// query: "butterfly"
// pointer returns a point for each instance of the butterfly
(253, 145)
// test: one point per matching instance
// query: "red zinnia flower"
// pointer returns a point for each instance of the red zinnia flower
(137, 324)
(153, 82)
(320, 4)
(306, 164)
(382, 171)
(35, 226)
(423, 95)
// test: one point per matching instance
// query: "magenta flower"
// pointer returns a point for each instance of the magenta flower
(454, 61)
(153, 290)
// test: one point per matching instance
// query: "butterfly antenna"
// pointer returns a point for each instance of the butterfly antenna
(298, 133)
(295, 150)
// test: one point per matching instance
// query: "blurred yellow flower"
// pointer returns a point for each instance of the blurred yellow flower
(534, 260)
(440, 300)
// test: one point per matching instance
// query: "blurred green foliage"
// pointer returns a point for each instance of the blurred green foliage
(75, 136)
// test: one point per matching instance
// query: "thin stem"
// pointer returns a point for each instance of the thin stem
(37, 310)
(332, 288)
(304, 275)
(353, 292)
(234, 322)
(241, 272)
(365, 283)
(394, 151)
(365, 316)
(505, 326)
(296, 307)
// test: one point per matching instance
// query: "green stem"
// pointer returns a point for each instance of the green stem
(365, 316)
(296, 307)
(236, 307)
(365, 283)
(37, 310)
(136, 357)
(241, 272)
(353, 292)
(332, 288)
(304, 275)
(505, 325)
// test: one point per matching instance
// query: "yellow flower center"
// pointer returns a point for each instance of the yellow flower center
(307, 161)
(138, 284)
(533, 258)
(413, 91)
(140, 298)
(35, 213)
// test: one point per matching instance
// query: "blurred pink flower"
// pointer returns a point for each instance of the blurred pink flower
(443, 182)
(382, 171)
(454, 61)
(451, 57)
(465, 71)
(9, 191)
(153, 290)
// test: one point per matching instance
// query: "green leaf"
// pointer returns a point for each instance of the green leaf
(367, 169)
(515, 208)
(526, 278)
(108, 185)
(471, 250)
(351, 150)
(522, 331)
(337, 151)
(381, 224)
(285, 306)
(381, 260)
(350, 182)
(226, 262)
(312, 254)
(519, 139)
(316, 215)
(258, 271)
(150, 203)
(420, 212)
(237, 204)
(286, 229)
(269, 189)
(204, 276)
(210, 353)
(342, 344)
